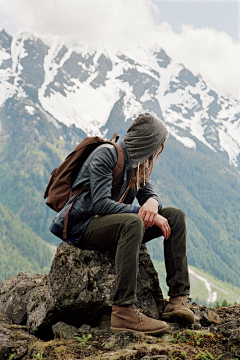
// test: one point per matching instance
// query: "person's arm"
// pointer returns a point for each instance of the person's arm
(146, 192)
(163, 224)
(148, 212)
(150, 216)
(150, 204)
(101, 176)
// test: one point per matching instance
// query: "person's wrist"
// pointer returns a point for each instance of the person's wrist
(157, 204)
(153, 200)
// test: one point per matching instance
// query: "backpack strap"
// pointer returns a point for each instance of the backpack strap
(79, 192)
(115, 136)
(120, 162)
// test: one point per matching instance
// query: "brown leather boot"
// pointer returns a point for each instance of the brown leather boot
(132, 319)
(178, 310)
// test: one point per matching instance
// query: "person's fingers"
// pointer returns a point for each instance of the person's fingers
(167, 231)
(150, 220)
(164, 229)
(146, 220)
(140, 212)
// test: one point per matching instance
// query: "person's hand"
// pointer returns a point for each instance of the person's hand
(148, 212)
(163, 224)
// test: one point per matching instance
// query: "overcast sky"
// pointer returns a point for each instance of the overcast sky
(203, 35)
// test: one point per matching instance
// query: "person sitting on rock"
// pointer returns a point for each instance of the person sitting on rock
(99, 221)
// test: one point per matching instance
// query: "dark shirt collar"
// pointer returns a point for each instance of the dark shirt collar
(127, 158)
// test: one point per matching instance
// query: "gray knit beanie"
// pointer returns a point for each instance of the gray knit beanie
(144, 137)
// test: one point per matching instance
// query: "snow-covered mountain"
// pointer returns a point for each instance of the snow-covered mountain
(84, 87)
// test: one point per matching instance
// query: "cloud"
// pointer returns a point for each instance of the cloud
(96, 22)
(212, 54)
(117, 24)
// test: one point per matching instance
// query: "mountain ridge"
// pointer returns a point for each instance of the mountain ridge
(148, 78)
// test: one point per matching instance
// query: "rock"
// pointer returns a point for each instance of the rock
(210, 316)
(229, 327)
(77, 290)
(25, 299)
(235, 337)
(20, 294)
(233, 343)
(84, 329)
(204, 316)
(64, 331)
(14, 340)
(215, 341)
(123, 339)
(97, 331)
(229, 312)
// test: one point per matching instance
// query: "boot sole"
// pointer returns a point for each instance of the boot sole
(118, 330)
(178, 315)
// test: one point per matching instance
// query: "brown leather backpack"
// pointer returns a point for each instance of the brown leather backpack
(58, 190)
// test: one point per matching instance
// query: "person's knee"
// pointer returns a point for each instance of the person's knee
(135, 223)
(180, 215)
(174, 216)
(136, 220)
(178, 220)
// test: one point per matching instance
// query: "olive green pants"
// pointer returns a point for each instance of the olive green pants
(126, 233)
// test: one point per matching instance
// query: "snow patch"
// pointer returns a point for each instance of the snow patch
(146, 96)
(132, 107)
(142, 57)
(186, 141)
(198, 130)
(230, 145)
(7, 89)
(84, 106)
(167, 73)
(4, 56)
(51, 68)
(18, 52)
(30, 109)
(201, 89)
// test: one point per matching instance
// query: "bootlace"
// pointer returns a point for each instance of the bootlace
(186, 302)
(140, 315)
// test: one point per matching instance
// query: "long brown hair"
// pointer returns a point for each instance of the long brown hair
(141, 174)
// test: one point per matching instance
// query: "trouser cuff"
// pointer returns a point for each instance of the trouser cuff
(125, 302)
(183, 293)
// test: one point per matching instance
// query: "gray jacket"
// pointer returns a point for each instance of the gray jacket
(102, 199)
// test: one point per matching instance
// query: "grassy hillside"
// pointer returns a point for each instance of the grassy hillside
(222, 291)
(30, 148)
(20, 248)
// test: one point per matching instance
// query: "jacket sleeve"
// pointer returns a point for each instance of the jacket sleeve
(101, 176)
(147, 192)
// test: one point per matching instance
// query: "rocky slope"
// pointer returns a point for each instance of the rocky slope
(215, 335)
(66, 315)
